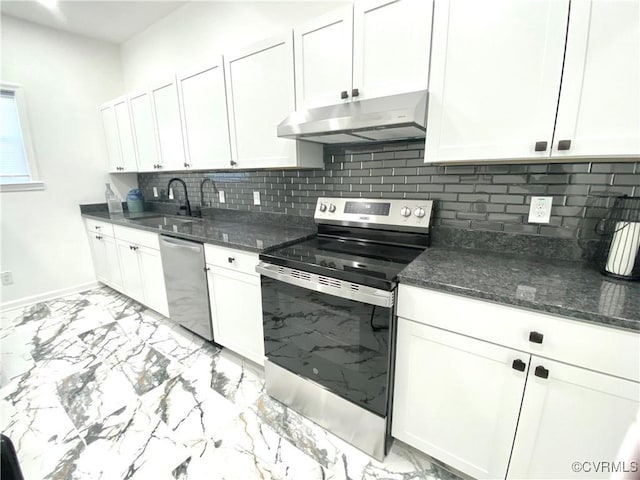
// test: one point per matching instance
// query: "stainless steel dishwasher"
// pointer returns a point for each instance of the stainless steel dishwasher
(185, 278)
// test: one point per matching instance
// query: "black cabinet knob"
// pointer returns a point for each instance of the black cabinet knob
(541, 146)
(541, 372)
(344, 94)
(233, 163)
(564, 144)
(231, 259)
(355, 92)
(535, 337)
(97, 227)
(185, 165)
(519, 365)
(98, 237)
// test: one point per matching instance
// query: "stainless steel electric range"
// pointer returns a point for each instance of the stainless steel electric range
(329, 314)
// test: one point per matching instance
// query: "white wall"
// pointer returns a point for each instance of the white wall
(194, 33)
(65, 77)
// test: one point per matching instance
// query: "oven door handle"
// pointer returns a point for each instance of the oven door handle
(338, 288)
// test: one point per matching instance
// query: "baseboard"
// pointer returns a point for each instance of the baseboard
(43, 297)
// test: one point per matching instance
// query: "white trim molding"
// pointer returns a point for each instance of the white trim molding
(43, 297)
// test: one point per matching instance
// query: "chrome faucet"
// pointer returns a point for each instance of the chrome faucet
(186, 195)
(207, 179)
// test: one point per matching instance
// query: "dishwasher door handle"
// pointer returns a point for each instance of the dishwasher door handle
(176, 243)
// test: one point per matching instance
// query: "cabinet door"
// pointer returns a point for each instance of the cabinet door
(495, 78)
(125, 134)
(114, 275)
(236, 311)
(599, 109)
(391, 41)
(152, 277)
(131, 281)
(110, 126)
(204, 117)
(323, 49)
(457, 398)
(144, 132)
(99, 256)
(261, 94)
(166, 112)
(574, 415)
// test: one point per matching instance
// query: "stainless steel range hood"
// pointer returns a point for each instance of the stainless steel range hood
(396, 117)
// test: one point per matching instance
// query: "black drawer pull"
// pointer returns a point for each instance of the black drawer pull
(564, 144)
(344, 94)
(535, 337)
(541, 146)
(519, 365)
(541, 372)
(355, 92)
(231, 259)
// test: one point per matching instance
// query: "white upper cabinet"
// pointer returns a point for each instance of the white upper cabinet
(144, 132)
(108, 114)
(125, 134)
(118, 135)
(391, 41)
(375, 48)
(260, 94)
(599, 109)
(166, 115)
(204, 117)
(495, 75)
(324, 59)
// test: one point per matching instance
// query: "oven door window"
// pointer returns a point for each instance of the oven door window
(340, 344)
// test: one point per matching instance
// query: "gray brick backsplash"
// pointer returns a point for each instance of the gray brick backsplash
(477, 197)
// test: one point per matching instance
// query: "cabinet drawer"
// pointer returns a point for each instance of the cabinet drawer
(231, 259)
(574, 342)
(137, 237)
(96, 226)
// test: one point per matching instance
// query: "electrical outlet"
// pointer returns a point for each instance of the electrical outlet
(155, 192)
(221, 196)
(7, 278)
(256, 198)
(540, 209)
(171, 194)
(524, 292)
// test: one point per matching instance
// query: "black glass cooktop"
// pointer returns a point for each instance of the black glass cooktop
(372, 264)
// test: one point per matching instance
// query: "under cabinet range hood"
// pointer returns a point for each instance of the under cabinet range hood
(395, 117)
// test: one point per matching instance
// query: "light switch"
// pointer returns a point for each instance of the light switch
(256, 198)
(155, 192)
(221, 196)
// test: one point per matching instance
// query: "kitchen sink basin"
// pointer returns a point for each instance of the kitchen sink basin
(163, 221)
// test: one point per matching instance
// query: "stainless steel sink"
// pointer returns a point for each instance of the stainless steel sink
(162, 221)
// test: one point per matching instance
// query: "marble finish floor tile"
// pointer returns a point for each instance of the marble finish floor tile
(96, 386)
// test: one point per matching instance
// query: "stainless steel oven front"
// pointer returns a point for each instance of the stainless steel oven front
(329, 349)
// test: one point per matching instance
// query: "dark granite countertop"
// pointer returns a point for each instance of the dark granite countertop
(253, 237)
(567, 288)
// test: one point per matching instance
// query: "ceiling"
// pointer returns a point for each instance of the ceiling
(114, 21)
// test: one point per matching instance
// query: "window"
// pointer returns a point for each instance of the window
(17, 160)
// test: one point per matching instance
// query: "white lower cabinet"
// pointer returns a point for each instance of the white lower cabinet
(457, 398)
(467, 396)
(105, 259)
(574, 415)
(236, 301)
(129, 262)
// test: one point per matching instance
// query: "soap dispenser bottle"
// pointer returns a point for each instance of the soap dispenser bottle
(113, 201)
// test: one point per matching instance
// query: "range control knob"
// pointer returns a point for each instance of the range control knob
(322, 207)
(332, 207)
(419, 212)
(405, 212)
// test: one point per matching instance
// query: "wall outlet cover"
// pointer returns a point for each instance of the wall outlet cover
(221, 196)
(256, 198)
(171, 194)
(155, 192)
(540, 209)
(7, 278)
